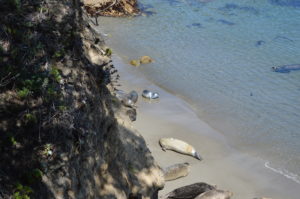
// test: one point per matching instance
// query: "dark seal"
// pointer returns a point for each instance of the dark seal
(189, 191)
(286, 68)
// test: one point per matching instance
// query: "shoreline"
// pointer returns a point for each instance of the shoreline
(171, 116)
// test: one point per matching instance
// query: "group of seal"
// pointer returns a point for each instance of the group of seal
(129, 99)
(198, 190)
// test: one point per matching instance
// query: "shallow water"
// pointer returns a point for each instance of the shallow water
(218, 55)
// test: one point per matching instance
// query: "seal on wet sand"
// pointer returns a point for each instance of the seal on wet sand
(129, 99)
(133, 95)
(176, 171)
(150, 95)
(178, 146)
(215, 194)
(262, 198)
(189, 191)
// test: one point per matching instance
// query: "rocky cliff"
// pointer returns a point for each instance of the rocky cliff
(115, 8)
(63, 133)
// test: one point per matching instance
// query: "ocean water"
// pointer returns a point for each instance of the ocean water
(218, 54)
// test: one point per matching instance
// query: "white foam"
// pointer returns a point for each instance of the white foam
(284, 172)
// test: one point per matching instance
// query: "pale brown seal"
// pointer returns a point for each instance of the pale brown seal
(146, 60)
(178, 146)
(215, 194)
(176, 171)
(189, 191)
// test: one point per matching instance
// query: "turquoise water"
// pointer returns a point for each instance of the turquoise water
(218, 55)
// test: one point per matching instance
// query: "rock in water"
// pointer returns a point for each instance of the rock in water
(135, 62)
(189, 191)
(146, 60)
(215, 194)
(176, 171)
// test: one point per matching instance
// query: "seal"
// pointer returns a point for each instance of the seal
(215, 194)
(189, 191)
(262, 198)
(146, 60)
(178, 146)
(128, 102)
(286, 68)
(150, 95)
(129, 99)
(133, 95)
(176, 171)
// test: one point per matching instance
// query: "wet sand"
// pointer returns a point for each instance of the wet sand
(171, 116)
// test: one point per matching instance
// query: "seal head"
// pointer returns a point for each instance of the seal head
(196, 155)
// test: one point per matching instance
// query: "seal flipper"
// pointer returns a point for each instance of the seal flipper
(197, 156)
(163, 148)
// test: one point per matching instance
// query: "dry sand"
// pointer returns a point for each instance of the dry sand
(170, 116)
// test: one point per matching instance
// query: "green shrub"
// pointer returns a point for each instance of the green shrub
(30, 118)
(108, 52)
(22, 192)
(23, 93)
(55, 74)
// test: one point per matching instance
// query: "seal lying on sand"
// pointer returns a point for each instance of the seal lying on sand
(189, 191)
(176, 171)
(262, 198)
(150, 95)
(215, 194)
(286, 68)
(133, 95)
(129, 99)
(178, 146)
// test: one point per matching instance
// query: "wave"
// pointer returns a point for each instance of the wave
(284, 172)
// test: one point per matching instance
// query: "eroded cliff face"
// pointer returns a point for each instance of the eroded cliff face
(115, 8)
(63, 133)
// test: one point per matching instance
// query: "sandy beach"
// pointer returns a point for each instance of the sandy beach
(222, 165)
